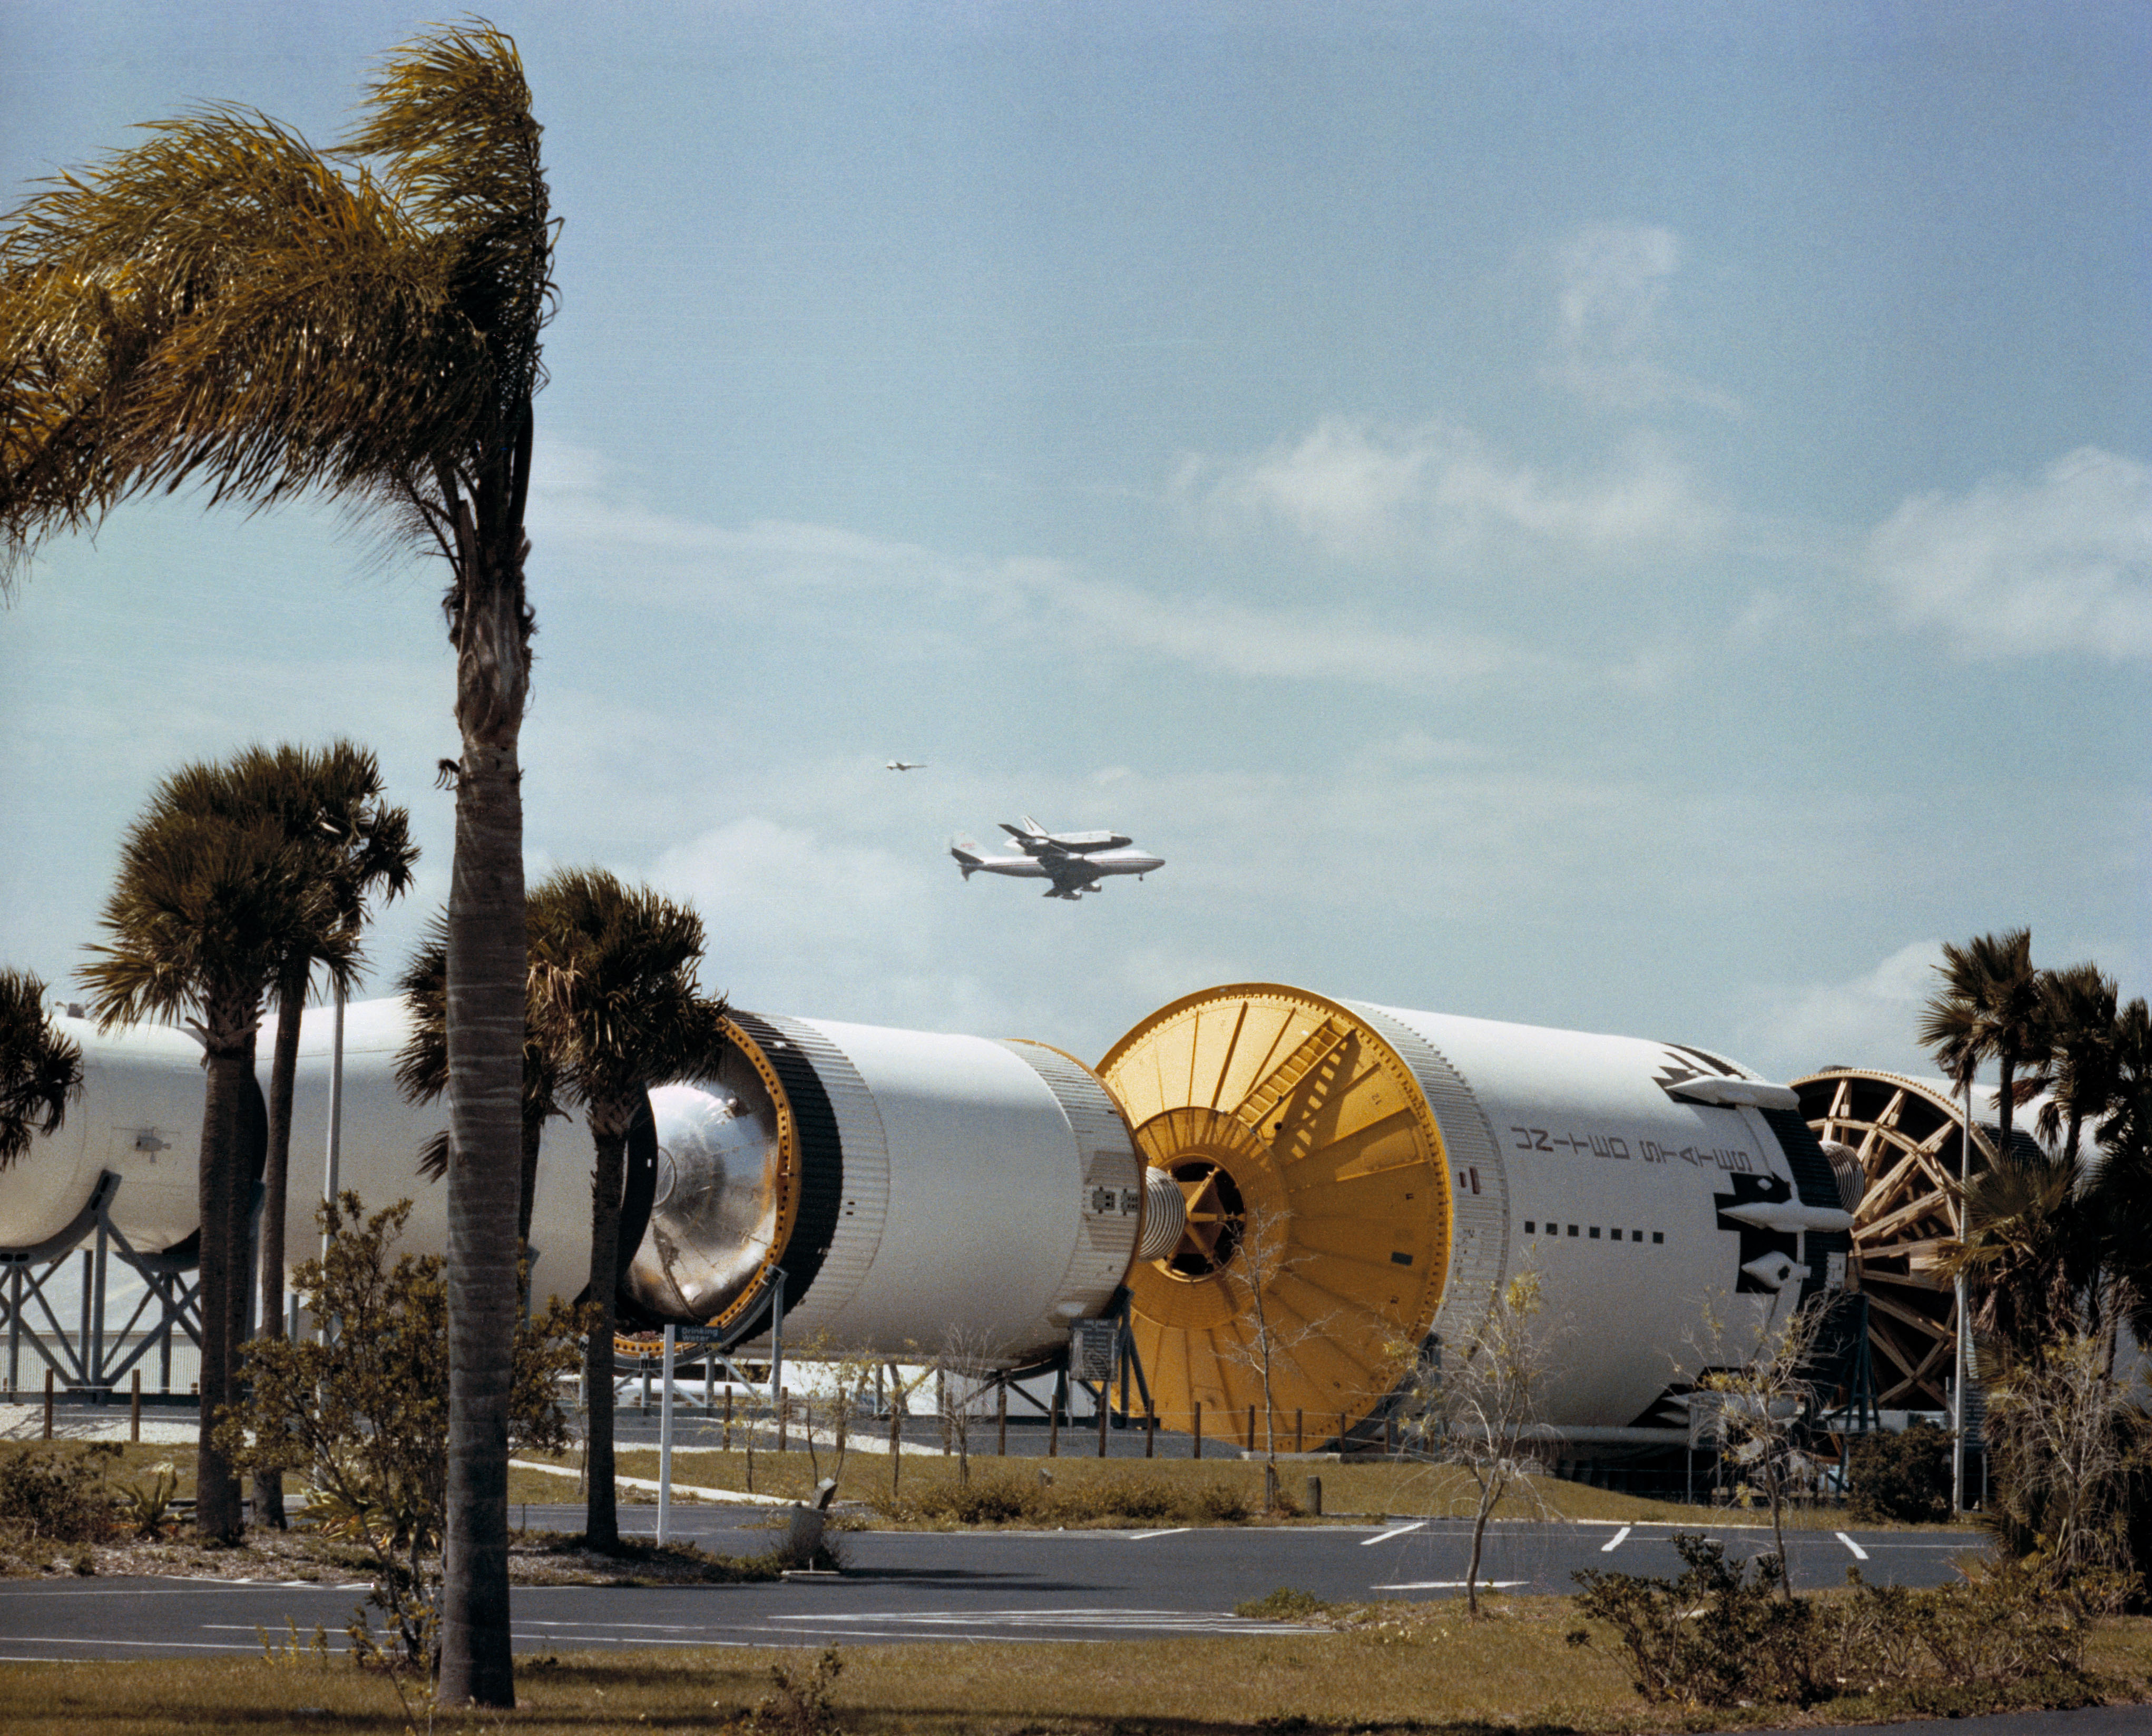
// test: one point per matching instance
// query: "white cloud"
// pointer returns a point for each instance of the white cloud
(1434, 491)
(2061, 564)
(935, 598)
(1866, 1021)
(1614, 278)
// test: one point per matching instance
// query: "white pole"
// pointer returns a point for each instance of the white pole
(1957, 1291)
(777, 1341)
(665, 1448)
(332, 1157)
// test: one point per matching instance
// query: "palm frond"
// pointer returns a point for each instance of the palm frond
(223, 304)
(40, 1070)
(449, 115)
(613, 986)
(201, 917)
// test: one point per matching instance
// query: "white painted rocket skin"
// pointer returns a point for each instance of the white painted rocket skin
(971, 1196)
(140, 1116)
(978, 1216)
(1589, 1146)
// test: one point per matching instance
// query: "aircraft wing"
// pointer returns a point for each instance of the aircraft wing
(1071, 876)
(1031, 844)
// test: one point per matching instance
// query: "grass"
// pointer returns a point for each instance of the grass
(1350, 1489)
(1422, 1667)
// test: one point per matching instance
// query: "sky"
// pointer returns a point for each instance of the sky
(1634, 519)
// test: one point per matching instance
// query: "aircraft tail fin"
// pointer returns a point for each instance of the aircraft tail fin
(1034, 827)
(968, 856)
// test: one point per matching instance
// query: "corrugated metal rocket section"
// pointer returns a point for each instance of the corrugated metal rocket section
(1303, 1145)
(918, 1192)
(1360, 1181)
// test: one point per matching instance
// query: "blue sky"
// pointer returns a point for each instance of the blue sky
(1632, 518)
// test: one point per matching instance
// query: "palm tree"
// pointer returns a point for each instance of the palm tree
(203, 914)
(2124, 1183)
(613, 993)
(2078, 1068)
(327, 803)
(1989, 1008)
(422, 1066)
(223, 304)
(2029, 1250)
(40, 1070)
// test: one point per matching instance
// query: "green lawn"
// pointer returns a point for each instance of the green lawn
(1421, 1668)
(1349, 1489)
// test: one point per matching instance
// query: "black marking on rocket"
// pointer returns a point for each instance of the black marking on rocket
(821, 1167)
(1756, 1242)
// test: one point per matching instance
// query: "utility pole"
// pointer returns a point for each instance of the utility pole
(1958, 1292)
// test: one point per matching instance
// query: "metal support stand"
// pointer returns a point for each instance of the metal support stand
(93, 1359)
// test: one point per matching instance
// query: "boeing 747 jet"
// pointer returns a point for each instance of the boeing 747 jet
(1074, 861)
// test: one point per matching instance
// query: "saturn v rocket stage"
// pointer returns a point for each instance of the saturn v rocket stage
(1382, 1173)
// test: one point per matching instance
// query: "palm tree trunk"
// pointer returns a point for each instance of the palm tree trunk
(276, 1182)
(238, 1290)
(601, 1524)
(486, 1007)
(216, 1486)
(534, 1136)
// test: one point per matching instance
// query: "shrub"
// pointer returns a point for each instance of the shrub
(1716, 1637)
(1284, 1604)
(1745, 1642)
(802, 1701)
(365, 1415)
(148, 1506)
(1131, 1500)
(1904, 1477)
(57, 1497)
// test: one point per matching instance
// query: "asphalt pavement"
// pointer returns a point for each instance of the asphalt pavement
(900, 1586)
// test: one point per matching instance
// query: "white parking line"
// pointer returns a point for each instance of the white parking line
(1145, 1536)
(1446, 1584)
(1385, 1536)
(1614, 1543)
(1859, 1553)
(1155, 1620)
(39, 1639)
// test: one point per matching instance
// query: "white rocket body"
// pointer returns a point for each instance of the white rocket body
(980, 1191)
(1590, 1160)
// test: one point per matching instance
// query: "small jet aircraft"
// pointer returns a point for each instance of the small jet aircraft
(1074, 861)
(906, 765)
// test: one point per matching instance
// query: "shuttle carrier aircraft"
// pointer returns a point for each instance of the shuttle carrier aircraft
(1074, 861)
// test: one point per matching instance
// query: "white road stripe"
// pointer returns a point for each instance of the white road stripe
(1385, 1536)
(1614, 1543)
(1859, 1553)
(1447, 1585)
(1174, 1620)
(39, 1639)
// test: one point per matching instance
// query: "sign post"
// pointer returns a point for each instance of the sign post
(665, 1445)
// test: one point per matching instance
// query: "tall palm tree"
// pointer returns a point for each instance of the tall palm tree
(40, 1070)
(327, 802)
(2123, 1183)
(2030, 1251)
(1988, 1009)
(2076, 1062)
(224, 304)
(202, 915)
(422, 1066)
(613, 991)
